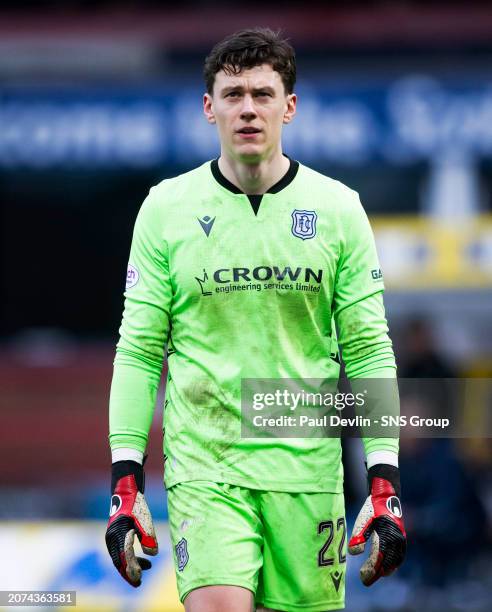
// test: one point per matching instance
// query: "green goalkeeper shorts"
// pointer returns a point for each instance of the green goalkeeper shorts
(289, 549)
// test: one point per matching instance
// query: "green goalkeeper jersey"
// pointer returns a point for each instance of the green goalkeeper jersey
(236, 290)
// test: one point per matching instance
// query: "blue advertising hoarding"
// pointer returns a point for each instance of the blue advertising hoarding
(400, 122)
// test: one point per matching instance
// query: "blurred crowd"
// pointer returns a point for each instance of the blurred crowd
(447, 493)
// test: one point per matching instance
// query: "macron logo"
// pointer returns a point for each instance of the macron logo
(207, 224)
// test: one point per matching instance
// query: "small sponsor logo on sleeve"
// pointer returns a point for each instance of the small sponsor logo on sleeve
(132, 276)
(377, 274)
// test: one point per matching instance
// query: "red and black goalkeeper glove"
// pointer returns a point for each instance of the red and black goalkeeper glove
(381, 517)
(129, 515)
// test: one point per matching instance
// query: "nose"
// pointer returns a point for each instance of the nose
(248, 108)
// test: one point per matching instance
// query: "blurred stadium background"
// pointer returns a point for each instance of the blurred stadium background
(99, 101)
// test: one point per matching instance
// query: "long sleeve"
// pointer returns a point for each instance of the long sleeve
(360, 317)
(143, 333)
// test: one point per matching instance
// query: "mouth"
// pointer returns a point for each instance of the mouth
(248, 131)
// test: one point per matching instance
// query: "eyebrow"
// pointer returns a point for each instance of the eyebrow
(240, 88)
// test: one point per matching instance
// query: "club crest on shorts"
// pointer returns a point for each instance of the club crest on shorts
(182, 557)
(304, 223)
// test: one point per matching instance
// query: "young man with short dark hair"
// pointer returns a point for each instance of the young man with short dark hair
(244, 268)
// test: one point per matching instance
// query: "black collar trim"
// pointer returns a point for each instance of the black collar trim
(288, 177)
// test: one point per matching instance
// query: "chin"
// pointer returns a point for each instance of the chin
(250, 153)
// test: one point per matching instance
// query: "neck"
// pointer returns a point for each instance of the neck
(254, 179)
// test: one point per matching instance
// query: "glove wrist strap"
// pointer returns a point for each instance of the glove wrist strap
(388, 472)
(126, 468)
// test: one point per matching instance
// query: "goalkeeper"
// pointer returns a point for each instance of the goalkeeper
(243, 268)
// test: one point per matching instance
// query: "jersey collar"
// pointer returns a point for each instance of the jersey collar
(255, 200)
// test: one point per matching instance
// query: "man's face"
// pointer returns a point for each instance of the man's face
(249, 109)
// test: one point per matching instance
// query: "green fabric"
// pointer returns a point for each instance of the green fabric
(288, 549)
(199, 294)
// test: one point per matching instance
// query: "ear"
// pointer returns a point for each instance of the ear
(290, 108)
(208, 108)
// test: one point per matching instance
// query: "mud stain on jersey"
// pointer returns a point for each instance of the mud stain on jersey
(214, 414)
(356, 339)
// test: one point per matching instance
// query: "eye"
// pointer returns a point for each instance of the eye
(232, 94)
(263, 94)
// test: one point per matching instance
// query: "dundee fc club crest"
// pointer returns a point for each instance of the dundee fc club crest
(181, 549)
(304, 223)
